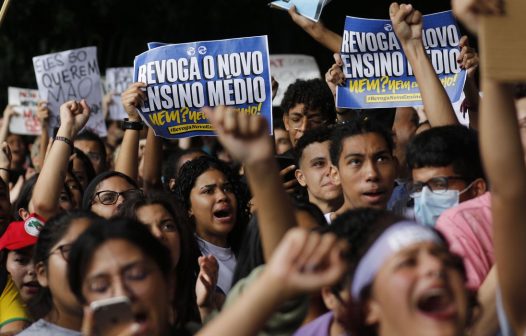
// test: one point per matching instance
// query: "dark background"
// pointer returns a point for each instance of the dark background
(121, 28)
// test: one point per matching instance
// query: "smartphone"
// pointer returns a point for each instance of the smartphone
(284, 162)
(111, 315)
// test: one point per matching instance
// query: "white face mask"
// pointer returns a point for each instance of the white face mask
(430, 205)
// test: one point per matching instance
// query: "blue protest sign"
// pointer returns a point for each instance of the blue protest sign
(183, 78)
(377, 71)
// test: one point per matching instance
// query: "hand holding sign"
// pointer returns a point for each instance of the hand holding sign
(407, 23)
(74, 116)
(468, 57)
(43, 113)
(132, 99)
(244, 136)
(9, 112)
(5, 156)
(335, 76)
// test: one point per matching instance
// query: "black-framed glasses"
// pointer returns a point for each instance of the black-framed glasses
(109, 197)
(64, 251)
(437, 185)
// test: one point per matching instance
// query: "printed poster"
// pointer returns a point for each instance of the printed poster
(183, 78)
(377, 72)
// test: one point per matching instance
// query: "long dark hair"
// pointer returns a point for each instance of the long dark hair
(102, 231)
(24, 197)
(189, 174)
(92, 187)
(187, 268)
(54, 230)
(88, 166)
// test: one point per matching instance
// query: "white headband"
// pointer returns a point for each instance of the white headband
(395, 238)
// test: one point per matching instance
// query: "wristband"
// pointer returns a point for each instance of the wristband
(65, 140)
(132, 125)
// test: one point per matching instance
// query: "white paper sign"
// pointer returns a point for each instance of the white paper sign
(287, 68)
(117, 81)
(71, 75)
(24, 102)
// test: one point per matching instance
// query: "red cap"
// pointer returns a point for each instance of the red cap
(22, 234)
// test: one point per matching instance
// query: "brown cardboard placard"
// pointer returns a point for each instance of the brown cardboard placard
(502, 41)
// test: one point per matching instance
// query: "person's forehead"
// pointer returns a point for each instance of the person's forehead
(112, 256)
(152, 211)
(424, 174)
(115, 183)
(316, 149)
(367, 143)
(303, 110)
(211, 176)
(87, 145)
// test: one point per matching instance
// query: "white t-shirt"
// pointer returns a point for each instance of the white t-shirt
(226, 260)
(45, 328)
(328, 217)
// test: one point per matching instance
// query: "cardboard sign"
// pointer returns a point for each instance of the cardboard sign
(502, 43)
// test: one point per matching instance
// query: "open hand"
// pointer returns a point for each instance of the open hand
(468, 57)
(206, 282)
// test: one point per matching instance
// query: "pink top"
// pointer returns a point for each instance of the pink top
(468, 229)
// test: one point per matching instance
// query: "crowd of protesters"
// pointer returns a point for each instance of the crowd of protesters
(344, 222)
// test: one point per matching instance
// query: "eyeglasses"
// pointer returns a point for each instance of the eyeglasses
(64, 251)
(436, 184)
(109, 197)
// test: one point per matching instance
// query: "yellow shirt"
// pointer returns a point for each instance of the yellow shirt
(11, 307)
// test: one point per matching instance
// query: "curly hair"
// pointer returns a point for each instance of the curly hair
(188, 175)
(314, 94)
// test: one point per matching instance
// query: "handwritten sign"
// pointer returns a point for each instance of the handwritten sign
(71, 75)
(24, 102)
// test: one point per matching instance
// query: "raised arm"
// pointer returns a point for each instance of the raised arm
(407, 24)
(9, 112)
(5, 163)
(303, 262)
(317, 31)
(469, 60)
(152, 162)
(43, 117)
(73, 116)
(127, 160)
(246, 138)
(503, 157)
